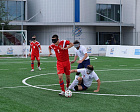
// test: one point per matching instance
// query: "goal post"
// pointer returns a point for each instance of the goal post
(13, 43)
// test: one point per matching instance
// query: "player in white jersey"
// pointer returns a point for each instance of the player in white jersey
(81, 52)
(84, 82)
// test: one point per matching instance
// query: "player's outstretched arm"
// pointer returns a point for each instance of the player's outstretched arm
(72, 71)
(80, 61)
(29, 51)
(40, 49)
(50, 53)
(69, 46)
(98, 86)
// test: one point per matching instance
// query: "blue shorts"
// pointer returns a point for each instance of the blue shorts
(83, 86)
(84, 64)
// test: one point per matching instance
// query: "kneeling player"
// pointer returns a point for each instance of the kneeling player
(84, 82)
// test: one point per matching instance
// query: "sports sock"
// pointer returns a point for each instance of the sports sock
(62, 85)
(38, 64)
(32, 65)
(73, 84)
(68, 83)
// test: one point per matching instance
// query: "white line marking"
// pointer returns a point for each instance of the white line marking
(120, 81)
(4, 69)
(116, 69)
(93, 57)
(22, 68)
(58, 84)
(24, 82)
(122, 65)
(107, 65)
(10, 62)
(12, 87)
(44, 58)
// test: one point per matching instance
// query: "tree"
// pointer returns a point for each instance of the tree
(4, 16)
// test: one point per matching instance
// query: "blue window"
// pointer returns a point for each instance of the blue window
(12, 10)
(108, 12)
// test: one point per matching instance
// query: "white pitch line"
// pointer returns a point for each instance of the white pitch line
(107, 65)
(12, 87)
(36, 86)
(24, 82)
(10, 62)
(44, 58)
(122, 65)
(4, 69)
(120, 81)
(22, 68)
(116, 69)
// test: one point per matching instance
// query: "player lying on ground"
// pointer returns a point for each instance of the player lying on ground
(84, 82)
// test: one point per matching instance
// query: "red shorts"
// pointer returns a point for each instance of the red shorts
(63, 67)
(33, 57)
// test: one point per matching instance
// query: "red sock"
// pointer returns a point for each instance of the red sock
(32, 65)
(68, 83)
(38, 64)
(62, 85)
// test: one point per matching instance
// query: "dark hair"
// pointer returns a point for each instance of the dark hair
(34, 36)
(55, 36)
(90, 67)
(76, 42)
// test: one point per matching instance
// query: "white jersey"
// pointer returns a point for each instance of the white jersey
(81, 52)
(88, 78)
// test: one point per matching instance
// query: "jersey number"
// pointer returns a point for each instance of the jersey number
(58, 51)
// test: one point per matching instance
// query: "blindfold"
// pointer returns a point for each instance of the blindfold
(54, 40)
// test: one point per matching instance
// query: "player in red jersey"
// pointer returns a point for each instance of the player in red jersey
(63, 63)
(35, 47)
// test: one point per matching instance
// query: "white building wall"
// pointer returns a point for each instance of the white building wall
(128, 11)
(88, 11)
(63, 11)
(51, 10)
(137, 15)
(44, 34)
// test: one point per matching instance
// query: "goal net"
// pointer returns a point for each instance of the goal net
(13, 43)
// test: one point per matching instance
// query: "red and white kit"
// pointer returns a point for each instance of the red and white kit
(35, 50)
(63, 63)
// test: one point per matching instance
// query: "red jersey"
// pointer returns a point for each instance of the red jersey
(61, 55)
(35, 48)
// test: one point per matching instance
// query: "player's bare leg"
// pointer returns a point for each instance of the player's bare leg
(61, 82)
(32, 65)
(38, 64)
(80, 88)
(68, 81)
(79, 80)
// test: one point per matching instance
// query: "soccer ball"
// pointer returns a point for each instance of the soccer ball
(68, 93)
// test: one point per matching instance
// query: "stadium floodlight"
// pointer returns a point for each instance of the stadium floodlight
(2, 24)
